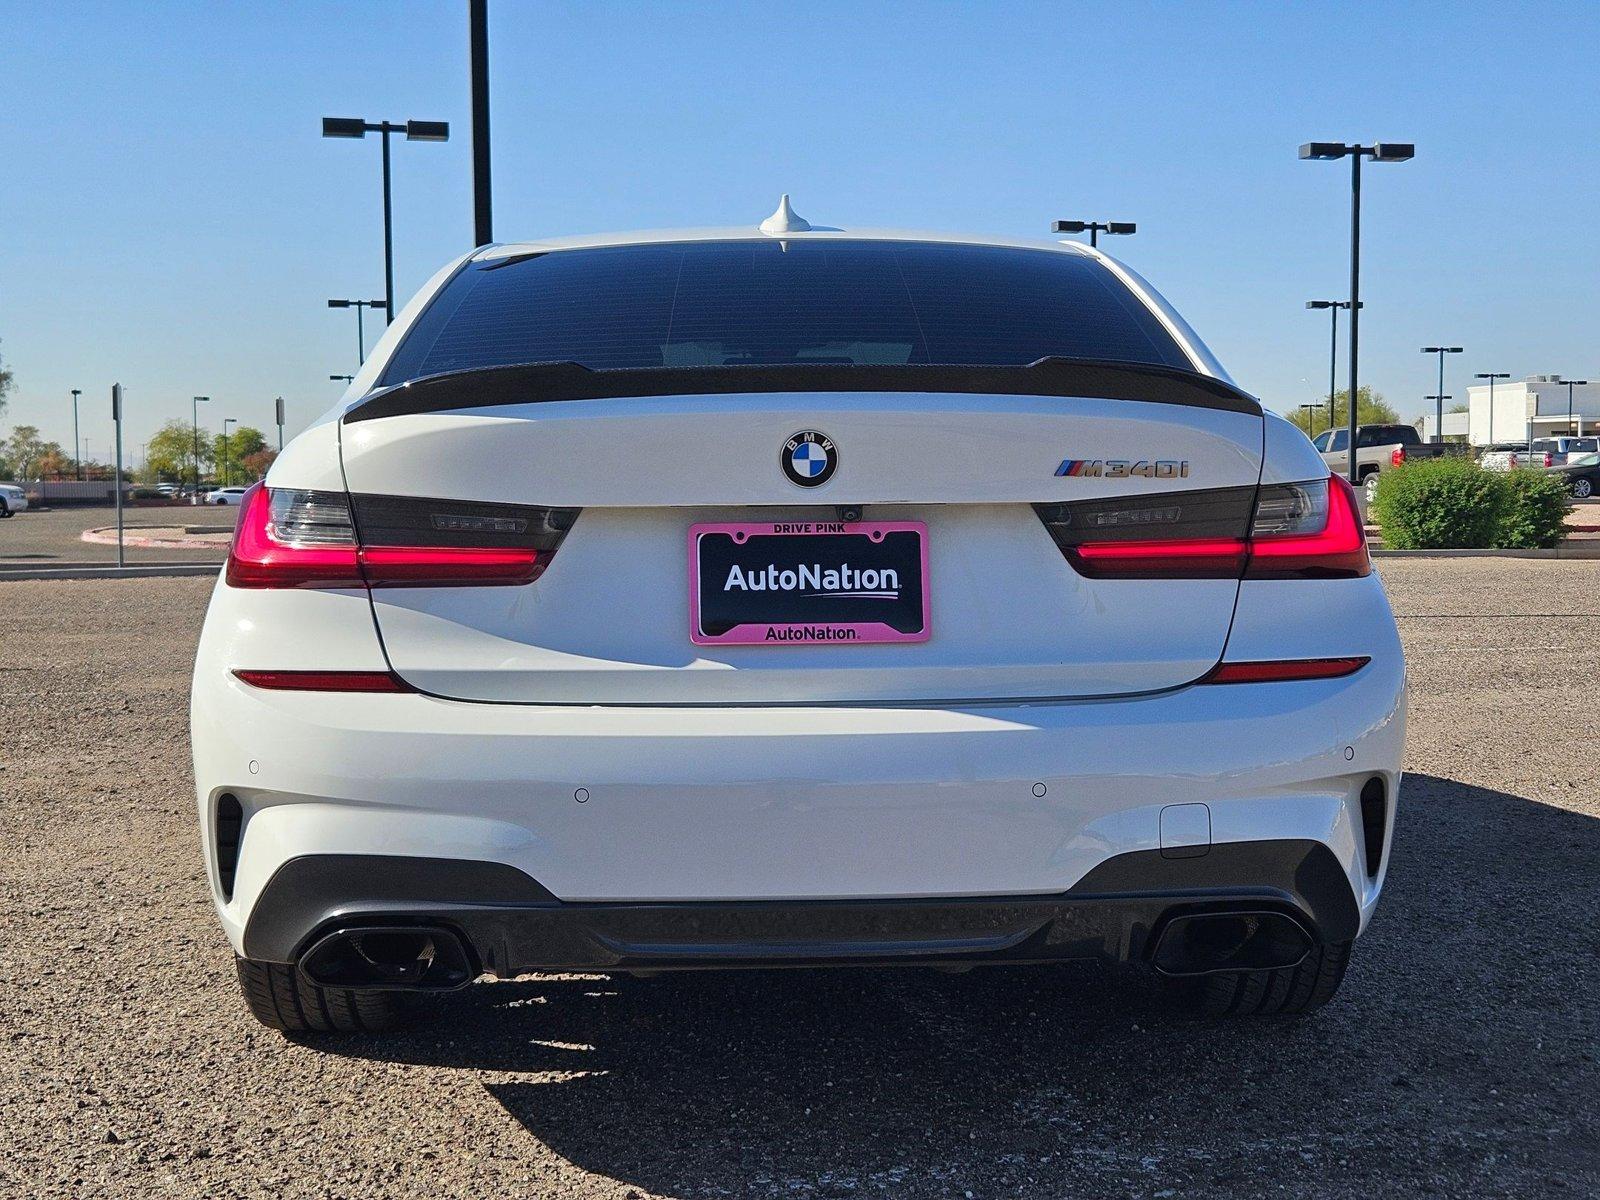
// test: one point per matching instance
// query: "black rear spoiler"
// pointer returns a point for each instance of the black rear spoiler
(534, 383)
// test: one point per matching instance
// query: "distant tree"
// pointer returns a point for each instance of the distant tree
(171, 451)
(1371, 409)
(231, 453)
(23, 450)
(7, 382)
(1457, 408)
(255, 465)
(54, 464)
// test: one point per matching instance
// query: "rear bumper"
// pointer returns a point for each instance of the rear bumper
(653, 813)
(512, 925)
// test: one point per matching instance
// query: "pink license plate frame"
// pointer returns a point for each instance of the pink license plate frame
(799, 633)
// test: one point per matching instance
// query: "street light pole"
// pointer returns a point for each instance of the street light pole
(361, 334)
(1438, 426)
(226, 421)
(77, 446)
(1491, 378)
(1094, 228)
(195, 416)
(1571, 383)
(415, 131)
(1333, 307)
(1378, 152)
(478, 20)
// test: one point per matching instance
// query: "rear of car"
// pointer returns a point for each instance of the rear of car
(1558, 451)
(738, 600)
(1379, 448)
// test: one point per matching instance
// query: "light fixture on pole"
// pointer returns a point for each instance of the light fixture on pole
(1571, 383)
(1384, 152)
(1438, 424)
(279, 406)
(1095, 228)
(1311, 410)
(77, 446)
(361, 333)
(194, 497)
(345, 378)
(415, 131)
(1491, 377)
(1333, 307)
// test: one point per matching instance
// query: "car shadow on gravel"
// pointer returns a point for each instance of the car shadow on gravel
(1460, 1054)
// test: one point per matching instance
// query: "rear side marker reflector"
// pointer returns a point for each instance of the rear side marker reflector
(1285, 670)
(325, 681)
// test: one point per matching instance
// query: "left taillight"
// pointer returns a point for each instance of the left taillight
(289, 538)
(292, 538)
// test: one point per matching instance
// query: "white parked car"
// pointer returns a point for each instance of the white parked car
(227, 495)
(12, 500)
(771, 596)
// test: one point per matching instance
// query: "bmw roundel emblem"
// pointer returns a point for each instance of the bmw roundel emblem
(809, 458)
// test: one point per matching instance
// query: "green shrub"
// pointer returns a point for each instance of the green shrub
(1535, 512)
(1440, 504)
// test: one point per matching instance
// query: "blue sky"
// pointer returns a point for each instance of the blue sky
(171, 218)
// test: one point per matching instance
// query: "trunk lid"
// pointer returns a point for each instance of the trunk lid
(609, 620)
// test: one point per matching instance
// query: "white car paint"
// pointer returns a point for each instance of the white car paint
(1039, 734)
(12, 499)
(227, 495)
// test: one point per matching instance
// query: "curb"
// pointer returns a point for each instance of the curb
(94, 571)
(1557, 552)
(107, 536)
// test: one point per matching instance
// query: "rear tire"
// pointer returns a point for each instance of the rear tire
(1287, 992)
(280, 998)
(1369, 485)
(5, 510)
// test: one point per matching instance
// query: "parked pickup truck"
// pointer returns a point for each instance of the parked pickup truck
(1378, 448)
(1543, 452)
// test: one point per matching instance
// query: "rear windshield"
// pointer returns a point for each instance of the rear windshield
(1388, 435)
(701, 304)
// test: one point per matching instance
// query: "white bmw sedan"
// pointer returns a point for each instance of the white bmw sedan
(778, 596)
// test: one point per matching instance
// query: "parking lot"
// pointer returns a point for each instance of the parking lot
(1458, 1060)
(53, 537)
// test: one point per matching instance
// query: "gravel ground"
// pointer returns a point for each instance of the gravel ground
(46, 537)
(1458, 1060)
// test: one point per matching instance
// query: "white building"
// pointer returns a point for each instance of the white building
(1536, 405)
(1455, 426)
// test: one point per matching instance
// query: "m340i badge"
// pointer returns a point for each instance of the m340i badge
(1125, 468)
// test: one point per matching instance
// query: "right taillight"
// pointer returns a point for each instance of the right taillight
(290, 538)
(1397, 457)
(1309, 530)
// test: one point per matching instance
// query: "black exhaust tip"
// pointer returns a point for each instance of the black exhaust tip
(1201, 943)
(421, 958)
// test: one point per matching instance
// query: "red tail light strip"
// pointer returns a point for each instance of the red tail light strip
(1208, 558)
(325, 681)
(324, 552)
(1284, 670)
(427, 566)
(1338, 550)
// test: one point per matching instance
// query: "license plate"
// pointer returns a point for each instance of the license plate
(787, 583)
